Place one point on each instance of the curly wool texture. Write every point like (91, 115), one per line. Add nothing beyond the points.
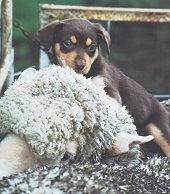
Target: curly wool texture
(51, 107)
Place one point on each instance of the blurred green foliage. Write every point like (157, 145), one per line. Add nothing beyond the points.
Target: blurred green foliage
(130, 3)
(141, 50)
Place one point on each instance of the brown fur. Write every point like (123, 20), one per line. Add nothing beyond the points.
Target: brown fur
(144, 108)
(149, 115)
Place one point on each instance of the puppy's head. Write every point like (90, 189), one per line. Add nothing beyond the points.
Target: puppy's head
(75, 42)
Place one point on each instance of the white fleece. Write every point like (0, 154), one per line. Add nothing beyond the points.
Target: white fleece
(55, 106)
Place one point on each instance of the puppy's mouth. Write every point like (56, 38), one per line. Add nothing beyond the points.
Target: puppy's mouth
(79, 70)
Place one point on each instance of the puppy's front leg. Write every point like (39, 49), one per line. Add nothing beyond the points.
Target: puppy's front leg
(15, 155)
(159, 138)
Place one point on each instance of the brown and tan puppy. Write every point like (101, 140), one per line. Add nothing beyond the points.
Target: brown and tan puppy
(75, 42)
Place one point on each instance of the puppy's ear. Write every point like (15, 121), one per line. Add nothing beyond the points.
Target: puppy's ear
(103, 36)
(46, 34)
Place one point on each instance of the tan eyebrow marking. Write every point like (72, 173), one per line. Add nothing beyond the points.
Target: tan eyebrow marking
(88, 42)
(73, 39)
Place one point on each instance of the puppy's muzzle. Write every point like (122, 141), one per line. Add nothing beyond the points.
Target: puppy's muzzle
(80, 64)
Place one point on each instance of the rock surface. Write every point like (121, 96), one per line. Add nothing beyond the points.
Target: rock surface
(115, 175)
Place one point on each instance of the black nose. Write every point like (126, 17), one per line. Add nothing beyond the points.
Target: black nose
(80, 64)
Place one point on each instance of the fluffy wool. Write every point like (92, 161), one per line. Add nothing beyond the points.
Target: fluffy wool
(54, 106)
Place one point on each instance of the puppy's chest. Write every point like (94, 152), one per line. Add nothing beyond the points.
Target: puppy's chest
(110, 87)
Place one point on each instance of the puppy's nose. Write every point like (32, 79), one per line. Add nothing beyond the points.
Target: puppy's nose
(80, 64)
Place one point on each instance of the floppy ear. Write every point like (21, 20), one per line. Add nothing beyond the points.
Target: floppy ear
(103, 36)
(46, 34)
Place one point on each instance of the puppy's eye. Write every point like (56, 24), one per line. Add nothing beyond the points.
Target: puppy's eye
(92, 47)
(67, 43)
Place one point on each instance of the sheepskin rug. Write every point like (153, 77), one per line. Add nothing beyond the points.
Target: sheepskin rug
(54, 106)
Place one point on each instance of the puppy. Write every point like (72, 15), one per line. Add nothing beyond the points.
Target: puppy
(75, 42)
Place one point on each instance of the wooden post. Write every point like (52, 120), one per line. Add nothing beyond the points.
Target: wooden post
(6, 40)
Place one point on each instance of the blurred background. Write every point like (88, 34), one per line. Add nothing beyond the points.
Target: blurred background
(141, 51)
